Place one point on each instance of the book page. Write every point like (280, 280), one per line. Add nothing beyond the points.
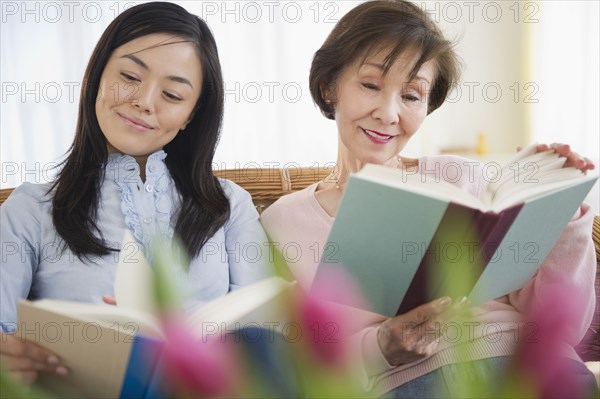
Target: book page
(523, 193)
(260, 299)
(106, 315)
(528, 176)
(522, 170)
(420, 184)
(96, 355)
(133, 278)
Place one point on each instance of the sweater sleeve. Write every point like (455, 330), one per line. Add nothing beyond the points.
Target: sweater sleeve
(571, 264)
(371, 361)
(245, 239)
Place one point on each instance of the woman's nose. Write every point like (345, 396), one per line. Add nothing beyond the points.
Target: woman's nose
(142, 99)
(388, 109)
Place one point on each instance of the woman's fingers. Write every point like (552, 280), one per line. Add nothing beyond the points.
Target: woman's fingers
(542, 147)
(435, 326)
(589, 163)
(24, 359)
(573, 158)
(426, 311)
(17, 347)
(110, 300)
(412, 335)
(21, 363)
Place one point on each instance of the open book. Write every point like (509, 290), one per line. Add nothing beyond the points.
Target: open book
(409, 238)
(113, 351)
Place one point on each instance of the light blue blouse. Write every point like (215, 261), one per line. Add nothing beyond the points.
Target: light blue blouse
(33, 266)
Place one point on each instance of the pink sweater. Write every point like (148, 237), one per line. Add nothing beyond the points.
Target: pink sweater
(299, 218)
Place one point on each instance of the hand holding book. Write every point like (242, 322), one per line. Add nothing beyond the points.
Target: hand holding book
(434, 239)
(116, 350)
(25, 359)
(412, 336)
(573, 159)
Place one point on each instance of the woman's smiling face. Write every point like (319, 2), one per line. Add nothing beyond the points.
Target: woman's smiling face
(376, 112)
(148, 91)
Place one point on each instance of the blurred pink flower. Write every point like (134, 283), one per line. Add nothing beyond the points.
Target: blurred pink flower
(327, 324)
(200, 367)
(541, 354)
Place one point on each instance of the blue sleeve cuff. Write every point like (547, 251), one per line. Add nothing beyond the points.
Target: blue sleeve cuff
(8, 328)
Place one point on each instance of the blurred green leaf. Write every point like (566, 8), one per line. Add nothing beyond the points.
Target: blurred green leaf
(170, 263)
(9, 388)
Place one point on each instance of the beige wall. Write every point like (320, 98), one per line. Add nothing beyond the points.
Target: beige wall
(492, 46)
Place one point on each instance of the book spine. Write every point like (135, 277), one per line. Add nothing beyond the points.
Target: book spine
(158, 387)
(143, 360)
(492, 235)
(459, 251)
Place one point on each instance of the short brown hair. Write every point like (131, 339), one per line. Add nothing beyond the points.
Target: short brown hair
(374, 26)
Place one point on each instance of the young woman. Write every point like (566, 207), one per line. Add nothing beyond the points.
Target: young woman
(382, 70)
(149, 120)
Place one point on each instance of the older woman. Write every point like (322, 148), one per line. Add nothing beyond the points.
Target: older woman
(382, 70)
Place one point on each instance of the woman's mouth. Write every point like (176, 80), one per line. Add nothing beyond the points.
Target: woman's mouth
(377, 137)
(135, 123)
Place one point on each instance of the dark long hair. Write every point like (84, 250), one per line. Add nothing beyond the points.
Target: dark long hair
(204, 205)
(374, 26)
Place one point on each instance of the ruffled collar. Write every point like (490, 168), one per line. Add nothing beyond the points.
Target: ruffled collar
(123, 167)
(147, 206)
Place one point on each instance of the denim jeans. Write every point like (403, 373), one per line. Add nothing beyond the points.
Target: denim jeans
(450, 381)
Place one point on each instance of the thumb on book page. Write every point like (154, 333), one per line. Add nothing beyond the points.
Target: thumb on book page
(423, 313)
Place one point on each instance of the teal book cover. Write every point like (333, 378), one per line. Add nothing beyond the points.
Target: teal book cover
(406, 246)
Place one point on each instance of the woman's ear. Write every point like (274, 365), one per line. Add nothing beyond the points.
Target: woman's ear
(327, 93)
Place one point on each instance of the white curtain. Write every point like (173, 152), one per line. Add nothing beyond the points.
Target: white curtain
(42, 63)
(265, 50)
(565, 50)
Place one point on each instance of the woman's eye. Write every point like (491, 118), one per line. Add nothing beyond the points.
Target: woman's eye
(370, 86)
(129, 77)
(411, 98)
(171, 96)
